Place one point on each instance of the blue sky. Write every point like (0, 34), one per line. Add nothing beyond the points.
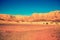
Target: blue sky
(27, 7)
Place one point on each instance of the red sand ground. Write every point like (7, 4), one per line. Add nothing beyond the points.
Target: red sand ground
(29, 32)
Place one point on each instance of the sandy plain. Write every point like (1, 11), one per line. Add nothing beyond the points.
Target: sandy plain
(29, 32)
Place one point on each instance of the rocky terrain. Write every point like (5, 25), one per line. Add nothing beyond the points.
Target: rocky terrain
(18, 27)
(35, 17)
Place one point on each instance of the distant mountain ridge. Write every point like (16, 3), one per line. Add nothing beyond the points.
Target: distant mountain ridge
(35, 17)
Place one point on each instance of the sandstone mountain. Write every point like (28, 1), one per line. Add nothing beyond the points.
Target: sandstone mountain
(35, 17)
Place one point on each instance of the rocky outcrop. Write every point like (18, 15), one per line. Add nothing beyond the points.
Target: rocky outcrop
(51, 16)
(35, 17)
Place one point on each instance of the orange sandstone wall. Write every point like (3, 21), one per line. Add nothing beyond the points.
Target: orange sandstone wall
(51, 16)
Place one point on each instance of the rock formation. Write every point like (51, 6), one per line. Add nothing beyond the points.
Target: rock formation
(35, 17)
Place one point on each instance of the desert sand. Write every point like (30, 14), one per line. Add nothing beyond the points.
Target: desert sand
(34, 27)
(29, 32)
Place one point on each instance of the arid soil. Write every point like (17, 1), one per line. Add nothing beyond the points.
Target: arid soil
(29, 32)
(38, 26)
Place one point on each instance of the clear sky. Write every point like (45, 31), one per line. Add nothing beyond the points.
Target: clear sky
(27, 7)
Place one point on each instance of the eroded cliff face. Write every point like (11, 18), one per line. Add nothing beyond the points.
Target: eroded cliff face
(35, 17)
